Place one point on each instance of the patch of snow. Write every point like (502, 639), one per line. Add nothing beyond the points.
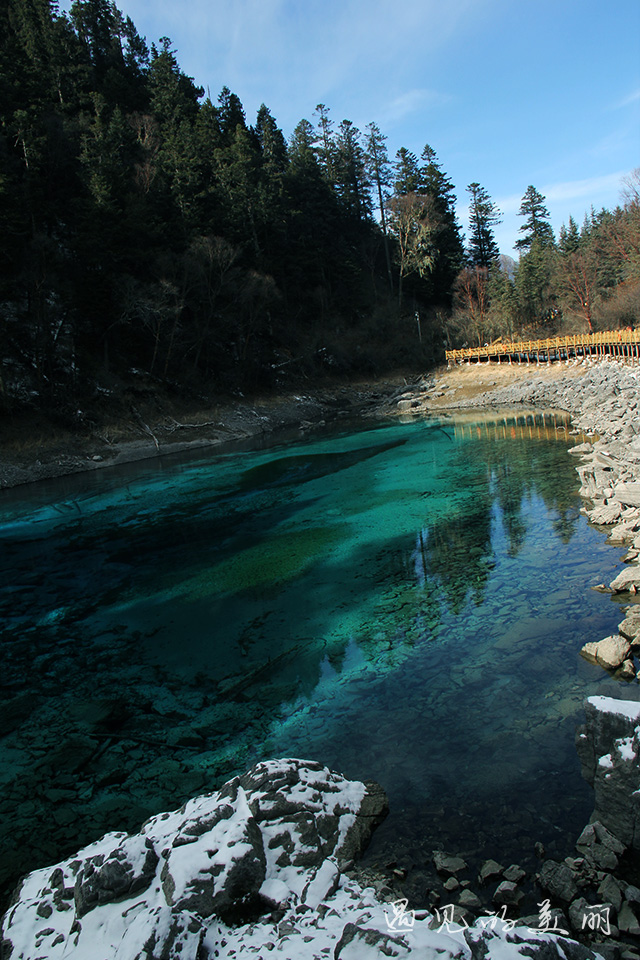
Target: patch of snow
(625, 747)
(624, 708)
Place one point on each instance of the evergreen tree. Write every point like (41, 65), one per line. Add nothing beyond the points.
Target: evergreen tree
(483, 216)
(326, 150)
(450, 256)
(380, 173)
(406, 173)
(536, 226)
(302, 150)
(569, 240)
(231, 114)
(352, 181)
(533, 284)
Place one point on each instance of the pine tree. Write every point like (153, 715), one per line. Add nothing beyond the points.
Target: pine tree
(569, 240)
(302, 150)
(325, 144)
(380, 173)
(406, 172)
(483, 216)
(450, 256)
(231, 114)
(352, 181)
(536, 226)
(533, 283)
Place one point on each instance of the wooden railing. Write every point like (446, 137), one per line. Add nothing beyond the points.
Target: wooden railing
(615, 343)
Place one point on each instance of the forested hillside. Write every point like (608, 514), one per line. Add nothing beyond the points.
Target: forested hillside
(147, 228)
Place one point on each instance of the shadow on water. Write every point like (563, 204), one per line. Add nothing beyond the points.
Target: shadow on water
(404, 603)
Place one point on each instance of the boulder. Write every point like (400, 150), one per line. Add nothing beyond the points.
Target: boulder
(581, 448)
(609, 653)
(627, 920)
(607, 513)
(127, 870)
(610, 892)
(507, 893)
(628, 581)
(468, 900)
(514, 873)
(628, 494)
(599, 847)
(368, 944)
(630, 628)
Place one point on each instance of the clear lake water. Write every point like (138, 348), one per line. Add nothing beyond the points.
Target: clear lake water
(403, 601)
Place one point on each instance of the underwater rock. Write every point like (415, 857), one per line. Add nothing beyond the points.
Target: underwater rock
(599, 847)
(507, 893)
(610, 892)
(627, 920)
(447, 864)
(489, 869)
(514, 873)
(558, 880)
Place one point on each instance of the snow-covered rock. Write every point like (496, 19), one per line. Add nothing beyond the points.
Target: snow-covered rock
(279, 832)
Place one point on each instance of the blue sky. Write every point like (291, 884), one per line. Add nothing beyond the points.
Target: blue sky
(507, 92)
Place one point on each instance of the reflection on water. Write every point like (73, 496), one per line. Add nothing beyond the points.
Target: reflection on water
(404, 602)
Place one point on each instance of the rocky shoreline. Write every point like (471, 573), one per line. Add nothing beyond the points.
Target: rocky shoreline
(123, 886)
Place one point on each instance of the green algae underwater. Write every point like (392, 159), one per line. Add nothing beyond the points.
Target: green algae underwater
(402, 601)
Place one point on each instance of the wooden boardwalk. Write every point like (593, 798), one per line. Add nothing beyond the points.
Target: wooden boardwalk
(624, 344)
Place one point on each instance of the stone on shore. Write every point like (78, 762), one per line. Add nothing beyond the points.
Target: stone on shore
(610, 653)
(628, 494)
(628, 581)
(605, 514)
(630, 628)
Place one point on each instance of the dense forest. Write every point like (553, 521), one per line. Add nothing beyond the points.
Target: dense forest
(147, 228)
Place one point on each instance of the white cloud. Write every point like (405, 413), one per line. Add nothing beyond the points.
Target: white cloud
(407, 103)
(633, 97)
(589, 188)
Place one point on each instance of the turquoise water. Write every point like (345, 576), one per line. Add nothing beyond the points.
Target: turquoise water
(404, 602)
